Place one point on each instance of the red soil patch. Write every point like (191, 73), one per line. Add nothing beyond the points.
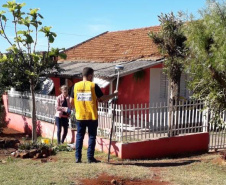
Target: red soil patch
(111, 180)
(8, 134)
(219, 160)
(11, 133)
(223, 154)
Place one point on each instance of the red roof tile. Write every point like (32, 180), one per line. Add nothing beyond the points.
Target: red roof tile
(117, 46)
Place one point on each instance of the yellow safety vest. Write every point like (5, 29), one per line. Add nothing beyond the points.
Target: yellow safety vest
(85, 101)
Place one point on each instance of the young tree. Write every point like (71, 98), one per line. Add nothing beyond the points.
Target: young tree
(22, 59)
(206, 64)
(171, 44)
(10, 76)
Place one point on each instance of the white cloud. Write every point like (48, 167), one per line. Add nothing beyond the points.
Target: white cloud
(97, 28)
(98, 25)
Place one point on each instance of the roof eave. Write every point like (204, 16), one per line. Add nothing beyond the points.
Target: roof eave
(135, 70)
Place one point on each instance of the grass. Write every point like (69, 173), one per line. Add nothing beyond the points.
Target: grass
(198, 173)
(63, 170)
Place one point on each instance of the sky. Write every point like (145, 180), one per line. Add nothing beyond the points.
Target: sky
(75, 21)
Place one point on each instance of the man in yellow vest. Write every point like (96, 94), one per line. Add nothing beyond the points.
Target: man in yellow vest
(84, 97)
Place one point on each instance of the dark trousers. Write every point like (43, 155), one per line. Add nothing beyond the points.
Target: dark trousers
(92, 131)
(61, 122)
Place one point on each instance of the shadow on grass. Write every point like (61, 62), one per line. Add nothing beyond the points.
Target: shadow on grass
(160, 164)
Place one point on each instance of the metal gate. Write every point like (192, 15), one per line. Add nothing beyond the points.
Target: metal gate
(217, 133)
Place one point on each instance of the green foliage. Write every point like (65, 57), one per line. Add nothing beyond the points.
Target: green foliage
(57, 52)
(22, 65)
(206, 64)
(62, 148)
(12, 74)
(50, 35)
(32, 145)
(170, 41)
(139, 75)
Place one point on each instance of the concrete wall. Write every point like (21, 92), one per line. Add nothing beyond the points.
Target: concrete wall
(166, 147)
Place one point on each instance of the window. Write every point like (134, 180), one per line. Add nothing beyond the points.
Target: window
(62, 81)
(164, 86)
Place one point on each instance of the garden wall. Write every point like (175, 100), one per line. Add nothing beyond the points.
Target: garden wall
(156, 148)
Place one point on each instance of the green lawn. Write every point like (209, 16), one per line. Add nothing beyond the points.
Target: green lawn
(210, 170)
(62, 169)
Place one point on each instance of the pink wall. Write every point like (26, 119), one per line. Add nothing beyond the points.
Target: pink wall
(106, 90)
(132, 92)
(166, 147)
(56, 82)
(135, 92)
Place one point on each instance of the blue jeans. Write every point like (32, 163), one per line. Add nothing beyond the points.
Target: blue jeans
(61, 122)
(92, 131)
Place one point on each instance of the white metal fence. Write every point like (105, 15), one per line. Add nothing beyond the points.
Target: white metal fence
(217, 131)
(146, 121)
(134, 122)
(20, 103)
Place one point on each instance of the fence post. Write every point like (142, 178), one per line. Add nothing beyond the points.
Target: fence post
(206, 119)
(121, 122)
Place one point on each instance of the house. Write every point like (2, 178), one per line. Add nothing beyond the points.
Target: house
(141, 81)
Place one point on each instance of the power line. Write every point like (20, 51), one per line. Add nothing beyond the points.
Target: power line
(75, 34)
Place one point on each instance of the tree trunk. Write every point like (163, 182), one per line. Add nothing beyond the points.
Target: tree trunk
(173, 99)
(33, 112)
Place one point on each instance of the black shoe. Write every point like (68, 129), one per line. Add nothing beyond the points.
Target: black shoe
(93, 160)
(78, 161)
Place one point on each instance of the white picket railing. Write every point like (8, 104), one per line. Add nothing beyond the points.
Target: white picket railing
(21, 103)
(217, 132)
(134, 122)
(146, 121)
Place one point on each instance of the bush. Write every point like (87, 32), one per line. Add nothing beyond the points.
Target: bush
(60, 148)
(30, 145)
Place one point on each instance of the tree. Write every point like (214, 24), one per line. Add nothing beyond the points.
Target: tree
(206, 64)
(21, 58)
(10, 76)
(171, 42)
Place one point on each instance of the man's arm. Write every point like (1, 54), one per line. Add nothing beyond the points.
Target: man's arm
(72, 97)
(101, 97)
(105, 98)
(72, 102)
